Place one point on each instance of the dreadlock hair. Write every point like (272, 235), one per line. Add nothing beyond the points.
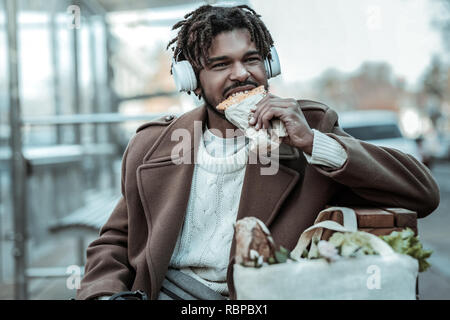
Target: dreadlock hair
(200, 26)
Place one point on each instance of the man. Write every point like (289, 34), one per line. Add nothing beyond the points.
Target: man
(179, 216)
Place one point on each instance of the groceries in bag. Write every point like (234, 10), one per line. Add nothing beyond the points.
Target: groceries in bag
(351, 265)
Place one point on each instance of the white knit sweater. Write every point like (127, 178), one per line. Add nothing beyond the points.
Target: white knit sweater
(203, 246)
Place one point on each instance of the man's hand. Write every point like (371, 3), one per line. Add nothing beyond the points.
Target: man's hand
(288, 111)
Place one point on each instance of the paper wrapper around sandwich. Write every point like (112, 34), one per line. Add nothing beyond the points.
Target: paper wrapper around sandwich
(266, 140)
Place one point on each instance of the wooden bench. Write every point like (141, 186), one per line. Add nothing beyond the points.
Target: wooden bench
(57, 179)
(379, 221)
(87, 220)
(83, 222)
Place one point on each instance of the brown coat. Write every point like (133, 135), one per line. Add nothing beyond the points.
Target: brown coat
(136, 244)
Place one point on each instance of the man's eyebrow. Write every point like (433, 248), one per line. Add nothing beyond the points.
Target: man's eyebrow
(220, 58)
(214, 59)
(250, 53)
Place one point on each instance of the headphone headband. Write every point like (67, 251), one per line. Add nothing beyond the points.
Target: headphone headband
(185, 79)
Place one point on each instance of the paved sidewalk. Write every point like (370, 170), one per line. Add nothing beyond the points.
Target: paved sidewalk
(434, 234)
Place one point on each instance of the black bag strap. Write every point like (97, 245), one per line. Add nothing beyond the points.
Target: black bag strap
(180, 286)
(129, 295)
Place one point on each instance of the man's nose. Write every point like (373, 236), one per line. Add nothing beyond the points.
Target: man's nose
(239, 72)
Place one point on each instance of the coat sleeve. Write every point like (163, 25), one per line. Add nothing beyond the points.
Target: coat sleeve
(382, 176)
(107, 270)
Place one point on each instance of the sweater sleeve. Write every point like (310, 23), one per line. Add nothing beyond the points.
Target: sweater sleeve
(326, 152)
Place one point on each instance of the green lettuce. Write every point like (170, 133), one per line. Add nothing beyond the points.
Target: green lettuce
(405, 242)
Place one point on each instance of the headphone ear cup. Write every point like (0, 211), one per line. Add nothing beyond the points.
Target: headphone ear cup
(184, 75)
(272, 66)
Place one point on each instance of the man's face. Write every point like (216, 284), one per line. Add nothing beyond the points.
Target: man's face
(234, 64)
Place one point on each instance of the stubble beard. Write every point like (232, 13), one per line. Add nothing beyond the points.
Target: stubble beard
(212, 108)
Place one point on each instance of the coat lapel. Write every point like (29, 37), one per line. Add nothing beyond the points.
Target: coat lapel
(263, 194)
(164, 182)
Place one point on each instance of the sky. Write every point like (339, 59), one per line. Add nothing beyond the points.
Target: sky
(312, 36)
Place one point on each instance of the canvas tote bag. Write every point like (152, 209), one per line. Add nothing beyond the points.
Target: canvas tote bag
(388, 275)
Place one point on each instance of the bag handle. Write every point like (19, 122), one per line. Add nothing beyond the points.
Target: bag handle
(349, 225)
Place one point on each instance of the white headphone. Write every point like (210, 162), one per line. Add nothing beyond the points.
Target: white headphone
(185, 78)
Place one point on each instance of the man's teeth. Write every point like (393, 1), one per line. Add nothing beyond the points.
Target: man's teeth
(238, 93)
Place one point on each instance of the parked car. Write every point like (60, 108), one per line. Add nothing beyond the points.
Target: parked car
(435, 146)
(378, 127)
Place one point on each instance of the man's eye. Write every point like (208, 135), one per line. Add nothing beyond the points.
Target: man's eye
(253, 59)
(219, 65)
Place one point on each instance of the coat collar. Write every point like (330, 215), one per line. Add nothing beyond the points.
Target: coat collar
(165, 178)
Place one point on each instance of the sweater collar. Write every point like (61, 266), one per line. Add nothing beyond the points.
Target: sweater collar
(222, 147)
(226, 164)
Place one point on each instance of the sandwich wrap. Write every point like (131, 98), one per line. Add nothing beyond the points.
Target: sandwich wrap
(238, 112)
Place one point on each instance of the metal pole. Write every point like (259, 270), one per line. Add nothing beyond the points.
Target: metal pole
(94, 99)
(76, 84)
(18, 172)
(93, 61)
(109, 42)
(113, 101)
(55, 72)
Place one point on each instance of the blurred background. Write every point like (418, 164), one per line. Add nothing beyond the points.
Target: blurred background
(78, 77)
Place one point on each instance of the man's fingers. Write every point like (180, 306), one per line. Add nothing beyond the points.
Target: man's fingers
(264, 118)
(269, 113)
(261, 118)
(257, 108)
(266, 102)
(261, 110)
